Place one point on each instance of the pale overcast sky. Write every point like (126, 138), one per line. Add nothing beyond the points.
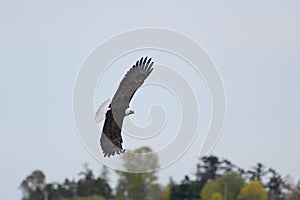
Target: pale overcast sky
(255, 45)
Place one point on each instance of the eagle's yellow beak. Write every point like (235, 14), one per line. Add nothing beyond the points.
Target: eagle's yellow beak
(131, 111)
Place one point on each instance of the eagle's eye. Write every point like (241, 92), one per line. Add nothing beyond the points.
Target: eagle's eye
(131, 111)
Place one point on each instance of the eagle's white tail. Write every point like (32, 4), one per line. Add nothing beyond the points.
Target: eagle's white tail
(100, 114)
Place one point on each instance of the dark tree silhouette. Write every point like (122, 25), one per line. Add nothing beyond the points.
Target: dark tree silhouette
(257, 173)
(207, 169)
(274, 185)
(33, 186)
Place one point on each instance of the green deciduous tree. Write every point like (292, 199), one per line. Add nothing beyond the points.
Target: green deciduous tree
(231, 184)
(138, 185)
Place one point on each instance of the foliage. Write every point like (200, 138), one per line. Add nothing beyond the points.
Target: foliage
(187, 189)
(253, 191)
(88, 186)
(215, 179)
(138, 185)
(293, 190)
(207, 169)
(274, 185)
(165, 193)
(258, 172)
(216, 196)
(228, 185)
(90, 198)
(210, 189)
(231, 185)
(33, 185)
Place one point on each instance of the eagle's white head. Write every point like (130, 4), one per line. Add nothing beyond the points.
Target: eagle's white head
(129, 111)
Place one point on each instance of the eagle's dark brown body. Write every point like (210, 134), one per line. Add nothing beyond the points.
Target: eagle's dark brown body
(111, 138)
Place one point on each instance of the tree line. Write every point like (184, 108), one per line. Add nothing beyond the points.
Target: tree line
(213, 179)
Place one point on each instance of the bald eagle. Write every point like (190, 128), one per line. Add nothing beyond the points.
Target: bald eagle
(111, 138)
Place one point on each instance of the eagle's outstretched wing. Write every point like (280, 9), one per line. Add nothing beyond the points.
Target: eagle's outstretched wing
(111, 139)
(100, 114)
